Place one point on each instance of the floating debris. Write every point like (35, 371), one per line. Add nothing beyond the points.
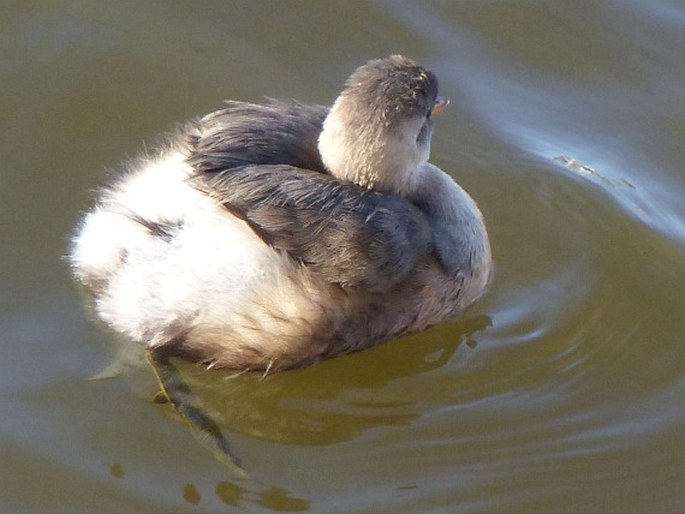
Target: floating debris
(588, 172)
(582, 169)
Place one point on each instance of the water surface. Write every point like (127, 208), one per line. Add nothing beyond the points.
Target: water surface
(561, 391)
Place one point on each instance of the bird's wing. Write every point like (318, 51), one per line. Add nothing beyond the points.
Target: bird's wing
(349, 235)
(280, 132)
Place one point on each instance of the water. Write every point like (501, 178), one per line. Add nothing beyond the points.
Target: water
(561, 391)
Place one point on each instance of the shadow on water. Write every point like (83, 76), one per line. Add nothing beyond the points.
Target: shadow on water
(318, 405)
(234, 494)
(314, 406)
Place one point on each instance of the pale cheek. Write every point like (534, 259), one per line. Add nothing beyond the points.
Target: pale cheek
(331, 145)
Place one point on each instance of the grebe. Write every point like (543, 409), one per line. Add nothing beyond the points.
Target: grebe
(270, 237)
(267, 237)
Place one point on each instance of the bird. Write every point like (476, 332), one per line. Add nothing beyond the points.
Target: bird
(264, 237)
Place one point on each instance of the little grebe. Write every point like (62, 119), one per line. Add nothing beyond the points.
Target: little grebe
(266, 237)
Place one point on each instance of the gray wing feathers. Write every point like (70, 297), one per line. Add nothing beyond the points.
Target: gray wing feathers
(261, 163)
(281, 132)
(348, 235)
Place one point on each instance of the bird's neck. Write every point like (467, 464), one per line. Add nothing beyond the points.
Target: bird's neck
(461, 240)
(366, 154)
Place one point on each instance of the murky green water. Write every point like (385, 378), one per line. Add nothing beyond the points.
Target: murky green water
(561, 391)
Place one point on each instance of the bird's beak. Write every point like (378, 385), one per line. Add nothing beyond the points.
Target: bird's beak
(439, 105)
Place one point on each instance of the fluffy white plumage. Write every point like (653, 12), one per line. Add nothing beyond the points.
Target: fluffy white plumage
(175, 268)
